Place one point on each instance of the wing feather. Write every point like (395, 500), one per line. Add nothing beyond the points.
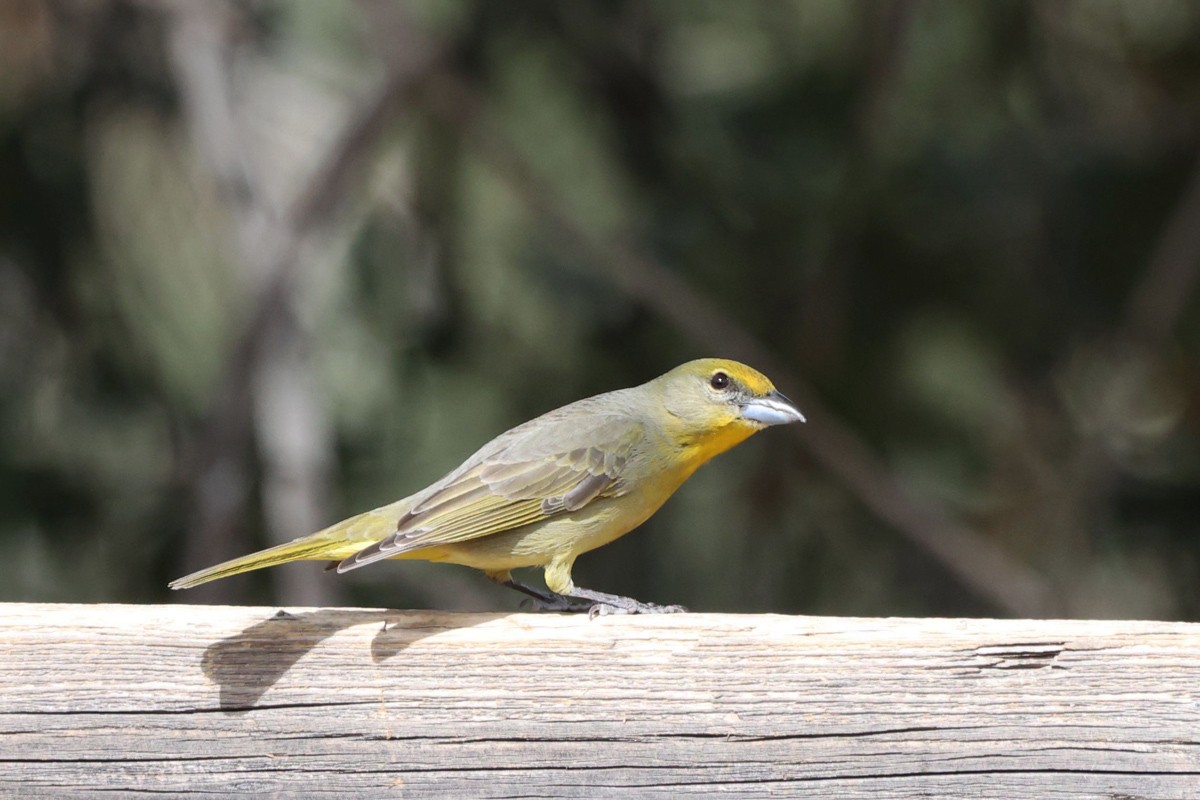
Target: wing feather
(524, 476)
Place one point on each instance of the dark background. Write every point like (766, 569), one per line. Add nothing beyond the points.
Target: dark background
(267, 264)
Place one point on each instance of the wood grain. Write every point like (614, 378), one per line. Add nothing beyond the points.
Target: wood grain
(131, 700)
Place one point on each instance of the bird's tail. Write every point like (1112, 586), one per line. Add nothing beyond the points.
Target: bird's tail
(336, 542)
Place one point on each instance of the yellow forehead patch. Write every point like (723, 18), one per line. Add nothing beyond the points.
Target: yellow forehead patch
(749, 377)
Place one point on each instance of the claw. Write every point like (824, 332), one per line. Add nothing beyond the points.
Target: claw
(605, 610)
(651, 608)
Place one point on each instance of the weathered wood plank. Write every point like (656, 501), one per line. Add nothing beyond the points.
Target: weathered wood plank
(128, 700)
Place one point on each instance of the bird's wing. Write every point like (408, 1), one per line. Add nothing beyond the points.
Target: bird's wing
(530, 474)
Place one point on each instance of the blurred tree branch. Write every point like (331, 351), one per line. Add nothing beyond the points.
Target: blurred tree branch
(268, 374)
(275, 389)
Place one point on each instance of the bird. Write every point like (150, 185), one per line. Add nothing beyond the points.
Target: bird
(553, 488)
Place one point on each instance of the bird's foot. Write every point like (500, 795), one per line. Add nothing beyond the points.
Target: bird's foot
(595, 604)
(604, 609)
(545, 600)
(558, 603)
(576, 605)
(603, 604)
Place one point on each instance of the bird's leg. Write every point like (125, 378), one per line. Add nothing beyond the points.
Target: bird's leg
(550, 601)
(596, 604)
(573, 599)
(603, 603)
(558, 578)
(541, 600)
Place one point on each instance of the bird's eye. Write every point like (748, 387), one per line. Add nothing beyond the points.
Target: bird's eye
(719, 380)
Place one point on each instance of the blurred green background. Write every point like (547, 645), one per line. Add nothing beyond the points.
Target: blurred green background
(267, 264)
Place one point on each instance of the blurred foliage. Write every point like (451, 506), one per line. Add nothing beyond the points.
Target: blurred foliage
(972, 227)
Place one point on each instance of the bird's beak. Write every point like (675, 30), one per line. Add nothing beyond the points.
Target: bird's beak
(773, 409)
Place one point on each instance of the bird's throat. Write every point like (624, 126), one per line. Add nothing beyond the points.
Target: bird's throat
(712, 444)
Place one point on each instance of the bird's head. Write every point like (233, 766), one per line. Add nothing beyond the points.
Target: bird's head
(713, 404)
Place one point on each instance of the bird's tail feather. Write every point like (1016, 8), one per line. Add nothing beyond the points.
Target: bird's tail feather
(334, 543)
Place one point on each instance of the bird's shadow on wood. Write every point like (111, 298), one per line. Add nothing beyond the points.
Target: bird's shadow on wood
(249, 663)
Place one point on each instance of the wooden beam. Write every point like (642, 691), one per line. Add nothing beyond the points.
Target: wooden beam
(132, 700)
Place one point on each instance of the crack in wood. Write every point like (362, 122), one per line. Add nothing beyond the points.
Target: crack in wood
(1019, 656)
(167, 712)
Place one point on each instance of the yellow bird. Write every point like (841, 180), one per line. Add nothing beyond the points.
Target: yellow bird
(557, 486)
